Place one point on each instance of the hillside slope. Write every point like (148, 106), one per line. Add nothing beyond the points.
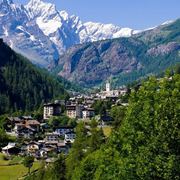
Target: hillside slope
(22, 85)
(122, 59)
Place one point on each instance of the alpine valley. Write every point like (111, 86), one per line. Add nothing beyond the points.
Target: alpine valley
(88, 101)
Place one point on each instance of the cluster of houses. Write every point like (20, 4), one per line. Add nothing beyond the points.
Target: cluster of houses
(73, 108)
(38, 140)
(29, 130)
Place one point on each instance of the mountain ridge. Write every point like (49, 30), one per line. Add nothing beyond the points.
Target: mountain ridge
(24, 87)
(123, 59)
(41, 32)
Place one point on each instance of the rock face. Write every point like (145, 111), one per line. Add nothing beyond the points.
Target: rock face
(93, 63)
(42, 33)
(163, 49)
(123, 59)
(24, 35)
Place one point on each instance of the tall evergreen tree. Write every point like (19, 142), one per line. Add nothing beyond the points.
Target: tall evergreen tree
(78, 151)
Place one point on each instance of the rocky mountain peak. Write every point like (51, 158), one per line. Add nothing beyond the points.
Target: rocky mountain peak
(40, 8)
(41, 32)
(64, 15)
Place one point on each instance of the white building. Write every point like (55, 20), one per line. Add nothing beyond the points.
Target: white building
(108, 93)
(74, 111)
(63, 130)
(70, 137)
(51, 109)
(88, 113)
(52, 137)
(108, 87)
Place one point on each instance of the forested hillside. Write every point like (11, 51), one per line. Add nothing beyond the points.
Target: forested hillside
(22, 85)
(146, 144)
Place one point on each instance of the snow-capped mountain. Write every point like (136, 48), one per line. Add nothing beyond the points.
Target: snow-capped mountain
(24, 35)
(42, 33)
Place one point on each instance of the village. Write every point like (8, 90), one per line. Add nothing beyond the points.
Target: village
(36, 138)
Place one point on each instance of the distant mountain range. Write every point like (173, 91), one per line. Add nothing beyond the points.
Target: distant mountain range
(41, 32)
(124, 60)
(87, 53)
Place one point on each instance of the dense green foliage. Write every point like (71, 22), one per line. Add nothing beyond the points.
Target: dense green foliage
(118, 114)
(4, 138)
(58, 121)
(85, 143)
(100, 106)
(146, 145)
(28, 162)
(78, 150)
(22, 85)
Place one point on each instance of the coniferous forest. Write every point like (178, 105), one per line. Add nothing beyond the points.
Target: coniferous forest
(22, 85)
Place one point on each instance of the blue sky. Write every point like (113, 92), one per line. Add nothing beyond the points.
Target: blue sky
(136, 14)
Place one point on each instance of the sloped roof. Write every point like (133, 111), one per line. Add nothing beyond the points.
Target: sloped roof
(9, 146)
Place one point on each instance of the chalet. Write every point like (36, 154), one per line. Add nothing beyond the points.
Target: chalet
(11, 121)
(27, 128)
(26, 118)
(26, 132)
(74, 111)
(63, 130)
(88, 113)
(70, 137)
(11, 149)
(33, 147)
(34, 124)
(52, 137)
(51, 109)
(62, 147)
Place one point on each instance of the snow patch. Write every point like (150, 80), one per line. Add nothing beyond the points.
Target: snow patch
(5, 32)
(32, 38)
(48, 27)
(167, 22)
(64, 15)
